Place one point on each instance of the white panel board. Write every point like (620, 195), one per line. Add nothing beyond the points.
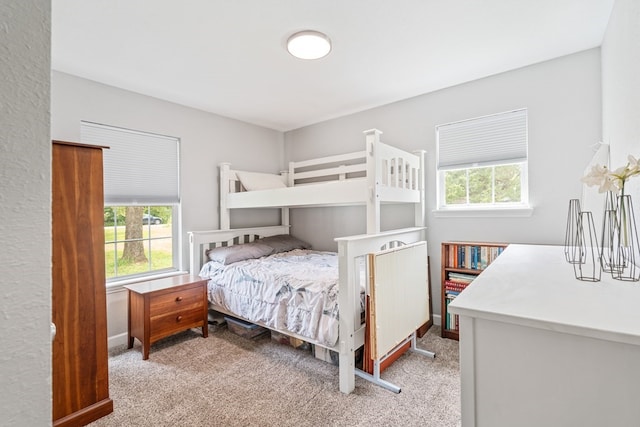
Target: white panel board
(399, 295)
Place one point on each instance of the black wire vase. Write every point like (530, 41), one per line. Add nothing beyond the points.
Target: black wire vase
(571, 248)
(625, 246)
(581, 243)
(587, 265)
(608, 229)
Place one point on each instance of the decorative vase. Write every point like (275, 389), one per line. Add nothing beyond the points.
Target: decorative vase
(608, 227)
(571, 248)
(587, 264)
(625, 247)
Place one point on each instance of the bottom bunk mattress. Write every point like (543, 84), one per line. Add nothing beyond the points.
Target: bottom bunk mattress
(295, 291)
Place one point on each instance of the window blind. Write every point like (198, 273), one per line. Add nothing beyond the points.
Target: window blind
(484, 141)
(139, 168)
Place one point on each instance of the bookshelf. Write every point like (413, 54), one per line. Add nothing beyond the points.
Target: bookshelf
(461, 263)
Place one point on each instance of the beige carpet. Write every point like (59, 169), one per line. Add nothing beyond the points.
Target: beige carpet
(226, 380)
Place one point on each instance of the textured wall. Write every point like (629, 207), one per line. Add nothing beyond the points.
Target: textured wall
(25, 213)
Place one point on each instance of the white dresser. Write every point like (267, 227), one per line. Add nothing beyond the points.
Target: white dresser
(541, 348)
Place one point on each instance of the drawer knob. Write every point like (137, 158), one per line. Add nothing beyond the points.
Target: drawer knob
(178, 299)
(179, 318)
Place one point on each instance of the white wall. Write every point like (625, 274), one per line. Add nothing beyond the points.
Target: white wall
(563, 97)
(564, 101)
(25, 355)
(205, 140)
(25, 213)
(621, 88)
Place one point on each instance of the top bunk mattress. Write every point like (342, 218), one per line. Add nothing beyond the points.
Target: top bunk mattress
(295, 291)
(348, 192)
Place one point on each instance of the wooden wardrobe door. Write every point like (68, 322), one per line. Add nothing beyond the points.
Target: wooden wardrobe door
(80, 358)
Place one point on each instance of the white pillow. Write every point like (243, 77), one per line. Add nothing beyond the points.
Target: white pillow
(260, 181)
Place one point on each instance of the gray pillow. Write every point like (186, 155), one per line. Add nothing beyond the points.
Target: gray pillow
(229, 254)
(284, 243)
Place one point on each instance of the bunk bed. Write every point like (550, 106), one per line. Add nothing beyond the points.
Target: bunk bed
(391, 266)
(380, 174)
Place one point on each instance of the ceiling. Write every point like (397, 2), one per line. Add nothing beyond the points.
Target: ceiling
(229, 58)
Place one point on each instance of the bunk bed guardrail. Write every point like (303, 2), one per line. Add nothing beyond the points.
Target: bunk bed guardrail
(379, 174)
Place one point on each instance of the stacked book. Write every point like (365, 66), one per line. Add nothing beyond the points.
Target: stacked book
(452, 287)
(473, 257)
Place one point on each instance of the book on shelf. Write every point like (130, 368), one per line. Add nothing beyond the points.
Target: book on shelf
(461, 277)
(461, 264)
(450, 287)
(472, 257)
(451, 321)
(452, 290)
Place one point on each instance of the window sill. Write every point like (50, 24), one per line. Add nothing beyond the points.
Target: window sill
(484, 213)
(117, 286)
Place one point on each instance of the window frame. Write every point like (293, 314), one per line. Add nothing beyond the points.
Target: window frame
(176, 245)
(93, 133)
(521, 208)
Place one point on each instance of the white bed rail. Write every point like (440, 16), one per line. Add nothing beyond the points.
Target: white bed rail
(201, 241)
(393, 176)
(350, 251)
(379, 174)
(331, 168)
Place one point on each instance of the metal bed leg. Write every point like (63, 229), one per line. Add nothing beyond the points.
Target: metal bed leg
(375, 378)
(415, 348)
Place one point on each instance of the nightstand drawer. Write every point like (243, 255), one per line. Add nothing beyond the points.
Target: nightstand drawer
(183, 299)
(162, 307)
(169, 323)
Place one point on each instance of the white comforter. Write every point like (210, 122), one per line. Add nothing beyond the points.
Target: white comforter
(296, 291)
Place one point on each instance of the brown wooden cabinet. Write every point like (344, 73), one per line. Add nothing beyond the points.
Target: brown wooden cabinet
(80, 355)
(162, 307)
(461, 263)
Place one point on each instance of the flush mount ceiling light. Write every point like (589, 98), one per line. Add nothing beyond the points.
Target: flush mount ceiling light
(309, 45)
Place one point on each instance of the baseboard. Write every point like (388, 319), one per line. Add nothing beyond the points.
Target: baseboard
(117, 340)
(86, 415)
(437, 319)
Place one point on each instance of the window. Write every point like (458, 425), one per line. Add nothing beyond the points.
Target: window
(482, 162)
(138, 240)
(142, 201)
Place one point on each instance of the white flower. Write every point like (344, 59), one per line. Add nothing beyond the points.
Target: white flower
(595, 176)
(609, 183)
(633, 166)
(599, 176)
(612, 181)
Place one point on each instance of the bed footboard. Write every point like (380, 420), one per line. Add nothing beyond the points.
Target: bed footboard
(350, 249)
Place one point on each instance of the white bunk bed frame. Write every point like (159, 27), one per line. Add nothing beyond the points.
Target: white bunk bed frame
(378, 175)
(407, 242)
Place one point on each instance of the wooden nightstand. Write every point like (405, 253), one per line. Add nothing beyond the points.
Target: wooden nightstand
(162, 307)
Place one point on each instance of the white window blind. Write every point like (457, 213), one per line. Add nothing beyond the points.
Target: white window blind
(139, 168)
(483, 141)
